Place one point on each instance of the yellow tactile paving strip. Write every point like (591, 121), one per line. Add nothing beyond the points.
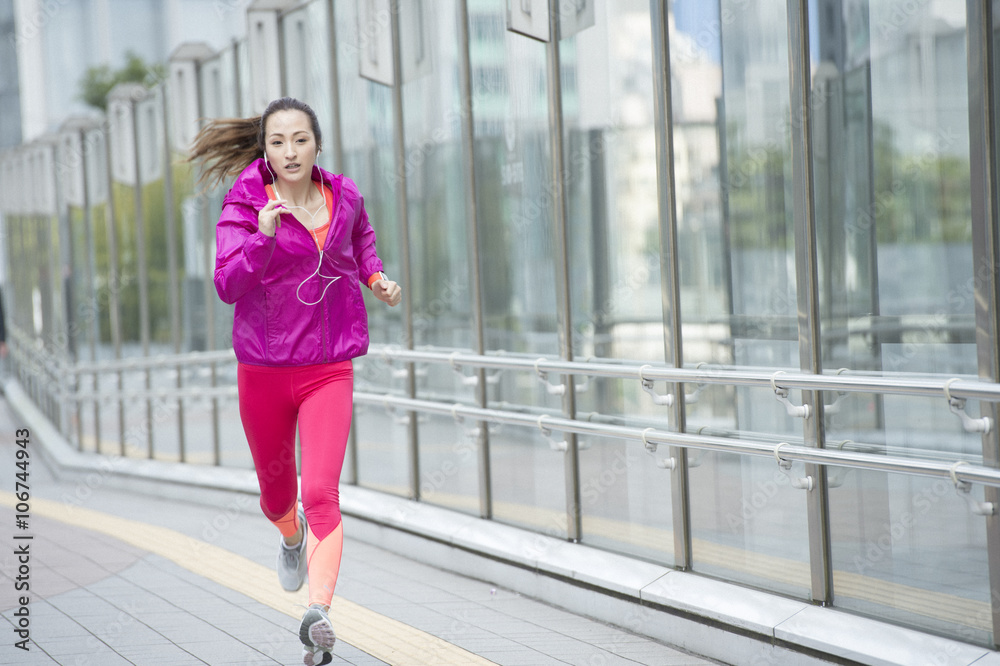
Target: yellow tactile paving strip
(382, 637)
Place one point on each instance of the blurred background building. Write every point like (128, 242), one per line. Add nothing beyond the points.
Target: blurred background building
(10, 106)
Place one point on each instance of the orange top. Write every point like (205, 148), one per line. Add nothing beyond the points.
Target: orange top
(320, 232)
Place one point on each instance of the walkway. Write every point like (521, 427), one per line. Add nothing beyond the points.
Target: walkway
(119, 577)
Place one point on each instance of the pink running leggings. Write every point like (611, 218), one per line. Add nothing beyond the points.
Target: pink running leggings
(319, 398)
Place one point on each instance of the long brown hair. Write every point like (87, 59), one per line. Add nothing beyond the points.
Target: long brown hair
(225, 146)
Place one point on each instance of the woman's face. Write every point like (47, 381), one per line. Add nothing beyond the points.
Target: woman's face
(290, 146)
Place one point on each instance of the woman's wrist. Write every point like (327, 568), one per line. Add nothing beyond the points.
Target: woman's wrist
(375, 277)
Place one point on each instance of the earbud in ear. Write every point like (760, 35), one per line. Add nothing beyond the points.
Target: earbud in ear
(265, 158)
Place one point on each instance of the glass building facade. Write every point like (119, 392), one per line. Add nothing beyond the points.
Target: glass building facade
(711, 284)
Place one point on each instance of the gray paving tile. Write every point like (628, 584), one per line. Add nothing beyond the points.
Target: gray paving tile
(33, 657)
(127, 634)
(213, 651)
(63, 647)
(98, 657)
(520, 658)
(165, 654)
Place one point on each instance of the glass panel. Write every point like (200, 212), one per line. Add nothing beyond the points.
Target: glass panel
(439, 289)
(892, 189)
(625, 497)
(368, 135)
(513, 173)
(908, 549)
(611, 185)
(528, 472)
(513, 176)
(729, 70)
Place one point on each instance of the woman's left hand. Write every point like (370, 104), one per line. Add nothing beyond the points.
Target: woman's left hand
(387, 291)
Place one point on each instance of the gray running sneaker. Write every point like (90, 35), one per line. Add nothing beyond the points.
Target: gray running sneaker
(316, 634)
(292, 560)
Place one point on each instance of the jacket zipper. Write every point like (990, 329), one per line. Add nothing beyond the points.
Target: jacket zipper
(333, 220)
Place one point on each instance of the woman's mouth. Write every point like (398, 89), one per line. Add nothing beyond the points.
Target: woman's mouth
(292, 166)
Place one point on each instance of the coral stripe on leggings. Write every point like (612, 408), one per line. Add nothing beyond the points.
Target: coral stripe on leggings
(318, 398)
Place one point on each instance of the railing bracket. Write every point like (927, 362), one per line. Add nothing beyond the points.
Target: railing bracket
(471, 380)
(964, 490)
(648, 386)
(558, 389)
(957, 407)
(799, 411)
(663, 463)
(834, 407)
(802, 483)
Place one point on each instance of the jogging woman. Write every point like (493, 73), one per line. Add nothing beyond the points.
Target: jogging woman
(293, 247)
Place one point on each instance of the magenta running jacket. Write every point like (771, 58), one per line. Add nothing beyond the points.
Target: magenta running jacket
(260, 274)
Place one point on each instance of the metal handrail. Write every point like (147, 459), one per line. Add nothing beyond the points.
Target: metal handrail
(171, 393)
(651, 437)
(965, 387)
(958, 471)
(151, 362)
(928, 386)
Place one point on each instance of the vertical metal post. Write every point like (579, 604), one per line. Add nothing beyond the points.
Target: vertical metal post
(404, 239)
(475, 260)
(67, 275)
(236, 79)
(336, 128)
(669, 268)
(208, 287)
(53, 337)
(90, 270)
(807, 290)
(563, 297)
(142, 268)
(208, 229)
(985, 254)
(114, 283)
(173, 275)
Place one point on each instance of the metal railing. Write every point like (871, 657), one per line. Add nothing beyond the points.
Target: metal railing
(955, 390)
(959, 471)
(902, 384)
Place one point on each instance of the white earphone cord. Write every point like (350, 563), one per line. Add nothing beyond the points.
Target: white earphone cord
(312, 222)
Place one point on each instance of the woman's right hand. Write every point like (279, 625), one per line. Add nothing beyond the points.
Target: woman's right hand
(269, 217)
